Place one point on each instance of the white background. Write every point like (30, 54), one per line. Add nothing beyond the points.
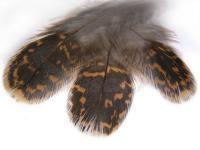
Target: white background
(152, 123)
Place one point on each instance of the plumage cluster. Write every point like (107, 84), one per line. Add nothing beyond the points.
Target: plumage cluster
(103, 46)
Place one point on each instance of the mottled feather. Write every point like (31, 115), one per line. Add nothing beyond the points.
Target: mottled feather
(106, 45)
(101, 97)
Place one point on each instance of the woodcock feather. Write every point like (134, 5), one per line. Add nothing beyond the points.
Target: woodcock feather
(105, 47)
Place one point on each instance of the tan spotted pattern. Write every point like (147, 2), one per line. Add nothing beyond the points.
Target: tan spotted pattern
(103, 90)
(41, 68)
(100, 98)
(169, 73)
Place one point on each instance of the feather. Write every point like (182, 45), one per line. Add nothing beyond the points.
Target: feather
(105, 45)
(41, 68)
(101, 97)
